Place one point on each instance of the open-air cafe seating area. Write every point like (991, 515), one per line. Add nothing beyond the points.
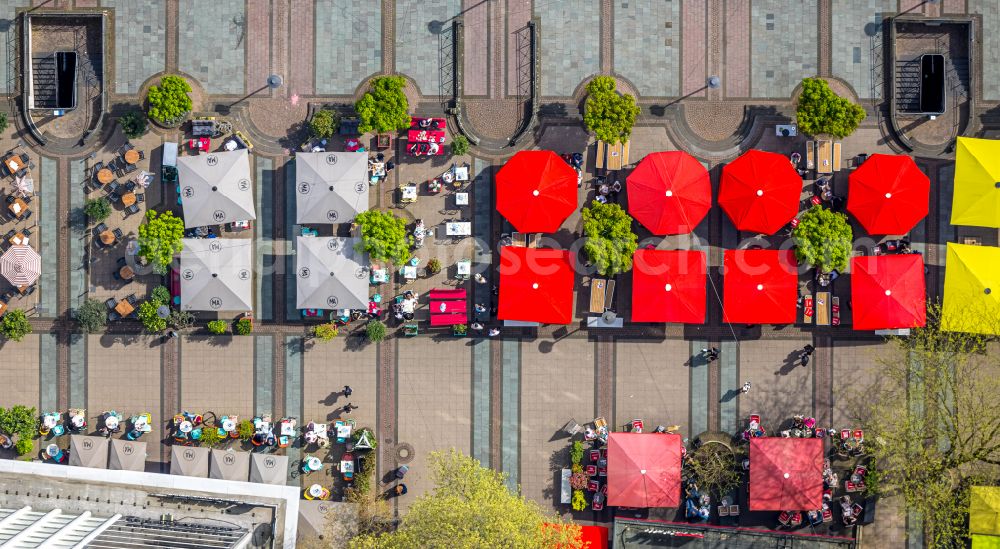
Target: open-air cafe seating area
(20, 263)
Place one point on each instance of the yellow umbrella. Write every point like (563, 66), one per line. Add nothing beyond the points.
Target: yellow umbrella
(971, 289)
(985, 542)
(984, 510)
(976, 199)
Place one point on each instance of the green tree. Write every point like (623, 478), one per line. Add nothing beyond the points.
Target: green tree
(160, 239)
(161, 293)
(147, 314)
(92, 316)
(930, 430)
(607, 113)
(245, 430)
(14, 325)
(823, 239)
(97, 209)
(459, 145)
(383, 236)
(384, 107)
(218, 327)
(471, 507)
(325, 332)
(375, 330)
(3, 121)
(169, 102)
(610, 241)
(820, 111)
(713, 466)
(324, 123)
(244, 326)
(133, 124)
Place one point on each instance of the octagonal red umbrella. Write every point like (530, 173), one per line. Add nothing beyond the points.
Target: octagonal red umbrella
(888, 194)
(536, 191)
(536, 285)
(888, 292)
(759, 286)
(668, 286)
(644, 469)
(669, 192)
(760, 191)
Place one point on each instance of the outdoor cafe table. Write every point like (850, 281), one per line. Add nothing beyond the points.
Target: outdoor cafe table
(124, 308)
(17, 239)
(107, 237)
(126, 273)
(458, 228)
(597, 287)
(461, 199)
(13, 163)
(455, 306)
(105, 176)
(18, 207)
(132, 156)
(128, 199)
(425, 136)
(822, 308)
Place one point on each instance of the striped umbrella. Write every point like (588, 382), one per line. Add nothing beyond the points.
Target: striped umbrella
(21, 265)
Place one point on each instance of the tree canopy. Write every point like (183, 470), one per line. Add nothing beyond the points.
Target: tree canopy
(169, 101)
(823, 239)
(92, 316)
(471, 507)
(384, 107)
(324, 123)
(933, 436)
(459, 145)
(820, 111)
(97, 209)
(147, 313)
(610, 241)
(14, 325)
(160, 239)
(607, 113)
(133, 124)
(383, 236)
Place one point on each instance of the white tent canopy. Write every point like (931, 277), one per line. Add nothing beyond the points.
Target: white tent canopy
(216, 274)
(330, 273)
(269, 469)
(229, 465)
(85, 451)
(127, 455)
(330, 187)
(215, 188)
(190, 461)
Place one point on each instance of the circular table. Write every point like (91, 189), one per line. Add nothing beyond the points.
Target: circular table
(128, 199)
(126, 273)
(111, 422)
(107, 237)
(132, 156)
(185, 427)
(49, 421)
(52, 450)
(314, 464)
(228, 425)
(105, 176)
(316, 491)
(78, 421)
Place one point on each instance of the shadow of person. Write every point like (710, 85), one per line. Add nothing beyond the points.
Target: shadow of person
(730, 395)
(791, 362)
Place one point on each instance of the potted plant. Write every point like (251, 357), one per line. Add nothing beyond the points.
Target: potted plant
(578, 480)
(579, 500)
(244, 326)
(169, 103)
(433, 267)
(245, 430)
(218, 327)
(459, 330)
(375, 330)
(576, 453)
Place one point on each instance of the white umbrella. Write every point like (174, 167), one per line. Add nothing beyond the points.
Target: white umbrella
(21, 265)
(330, 273)
(216, 274)
(330, 187)
(24, 186)
(216, 188)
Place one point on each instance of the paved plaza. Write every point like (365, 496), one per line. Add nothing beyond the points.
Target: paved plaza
(503, 400)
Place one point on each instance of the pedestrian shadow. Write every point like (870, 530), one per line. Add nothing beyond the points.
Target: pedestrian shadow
(331, 398)
(697, 361)
(730, 395)
(791, 362)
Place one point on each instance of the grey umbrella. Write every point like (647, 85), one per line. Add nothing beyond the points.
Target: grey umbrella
(330, 273)
(330, 187)
(215, 188)
(229, 465)
(269, 469)
(87, 451)
(216, 274)
(190, 461)
(127, 455)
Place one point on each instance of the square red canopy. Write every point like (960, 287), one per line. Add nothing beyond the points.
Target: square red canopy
(786, 474)
(644, 469)
(888, 291)
(668, 286)
(759, 286)
(536, 285)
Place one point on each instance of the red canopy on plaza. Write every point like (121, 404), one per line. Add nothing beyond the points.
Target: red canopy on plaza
(760, 191)
(644, 469)
(759, 286)
(888, 194)
(786, 474)
(536, 191)
(888, 291)
(536, 285)
(668, 286)
(669, 192)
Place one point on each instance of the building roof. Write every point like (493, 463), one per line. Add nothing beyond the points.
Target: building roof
(330, 187)
(215, 188)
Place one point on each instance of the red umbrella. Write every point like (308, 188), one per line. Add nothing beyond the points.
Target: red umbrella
(760, 191)
(759, 286)
(669, 192)
(536, 191)
(786, 474)
(887, 291)
(888, 194)
(668, 286)
(644, 469)
(536, 285)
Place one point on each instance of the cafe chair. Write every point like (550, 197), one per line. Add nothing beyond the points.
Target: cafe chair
(118, 233)
(140, 197)
(131, 300)
(110, 303)
(26, 231)
(121, 262)
(10, 199)
(130, 186)
(133, 209)
(113, 316)
(27, 214)
(112, 188)
(9, 234)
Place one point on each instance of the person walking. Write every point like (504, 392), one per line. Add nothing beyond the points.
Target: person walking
(805, 359)
(711, 354)
(348, 391)
(746, 388)
(493, 332)
(348, 407)
(808, 349)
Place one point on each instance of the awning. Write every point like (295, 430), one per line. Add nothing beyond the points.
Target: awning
(760, 191)
(216, 274)
(888, 194)
(536, 285)
(330, 273)
(330, 187)
(215, 188)
(971, 289)
(759, 286)
(888, 292)
(644, 469)
(127, 455)
(229, 465)
(976, 199)
(669, 192)
(984, 510)
(786, 474)
(85, 451)
(21, 265)
(190, 461)
(536, 191)
(269, 469)
(668, 286)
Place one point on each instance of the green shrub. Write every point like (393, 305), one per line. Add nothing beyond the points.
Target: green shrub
(24, 446)
(147, 313)
(133, 124)
(218, 327)
(820, 111)
(576, 453)
(161, 294)
(610, 242)
(384, 107)
(459, 145)
(180, 319)
(14, 325)
(245, 429)
(92, 316)
(383, 236)
(244, 326)
(169, 102)
(324, 123)
(607, 113)
(433, 266)
(210, 437)
(160, 239)
(375, 330)
(325, 332)
(823, 239)
(3, 121)
(97, 209)
(579, 500)
(18, 420)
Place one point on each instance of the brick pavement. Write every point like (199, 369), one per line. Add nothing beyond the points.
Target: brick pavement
(519, 13)
(301, 27)
(652, 382)
(216, 375)
(694, 56)
(123, 374)
(258, 43)
(280, 40)
(476, 47)
(736, 73)
(781, 387)
(990, 49)
(21, 385)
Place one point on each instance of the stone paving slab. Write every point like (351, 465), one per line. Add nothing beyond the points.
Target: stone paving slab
(780, 387)
(7, 10)
(647, 40)
(855, 363)
(264, 257)
(783, 46)
(570, 45)
(693, 33)
(21, 384)
(217, 375)
(348, 44)
(856, 24)
(475, 45)
(736, 73)
(45, 206)
(327, 367)
(653, 383)
(990, 49)
(211, 44)
(123, 374)
(417, 47)
(140, 42)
